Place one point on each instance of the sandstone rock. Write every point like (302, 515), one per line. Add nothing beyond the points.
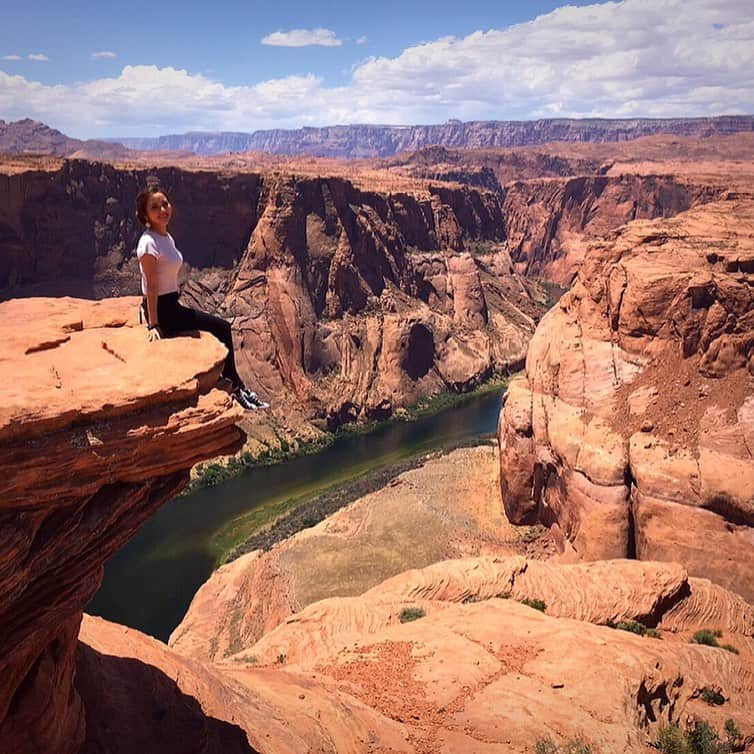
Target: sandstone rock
(98, 428)
(374, 140)
(476, 666)
(550, 223)
(450, 507)
(345, 674)
(632, 345)
(346, 303)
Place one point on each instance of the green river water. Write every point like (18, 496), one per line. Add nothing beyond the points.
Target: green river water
(149, 584)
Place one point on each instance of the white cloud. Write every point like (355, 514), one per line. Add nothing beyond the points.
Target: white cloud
(40, 56)
(620, 59)
(104, 54)
(302, 38)
(361, 41)
(12, 57)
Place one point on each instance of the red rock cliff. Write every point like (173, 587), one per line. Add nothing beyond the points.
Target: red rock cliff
(349, 303)
(98, 428)
(633, 428)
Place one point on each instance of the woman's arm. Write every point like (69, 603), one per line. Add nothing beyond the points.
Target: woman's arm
(149, 267)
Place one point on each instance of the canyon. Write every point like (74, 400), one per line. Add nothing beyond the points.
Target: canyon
(438, 613)
(355, 141)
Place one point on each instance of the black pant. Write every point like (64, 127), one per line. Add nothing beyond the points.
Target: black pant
(175, 319)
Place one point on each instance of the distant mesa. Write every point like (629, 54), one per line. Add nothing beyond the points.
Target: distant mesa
(369, 141)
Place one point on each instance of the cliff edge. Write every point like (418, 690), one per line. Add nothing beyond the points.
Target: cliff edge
(632, 430)
(98, 428)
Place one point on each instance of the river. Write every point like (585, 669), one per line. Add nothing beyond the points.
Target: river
(149, 584)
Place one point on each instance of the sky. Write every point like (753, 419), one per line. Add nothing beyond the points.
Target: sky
(167, 67)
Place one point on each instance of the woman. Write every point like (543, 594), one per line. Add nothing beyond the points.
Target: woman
(160, 261)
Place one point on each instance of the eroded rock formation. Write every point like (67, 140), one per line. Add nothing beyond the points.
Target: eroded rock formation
(381, 141)
(550, 223)
(98, 428)
(477, 670)
(633, 428)
(347, 303)
(90, 452)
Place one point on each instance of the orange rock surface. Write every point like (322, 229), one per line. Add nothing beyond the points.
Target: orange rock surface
(633, 427)
(477, 671)
(98, 428)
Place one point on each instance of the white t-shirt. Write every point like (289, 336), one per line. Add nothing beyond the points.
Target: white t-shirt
(169, 261)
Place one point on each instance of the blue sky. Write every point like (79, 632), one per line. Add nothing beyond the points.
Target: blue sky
(92, 70)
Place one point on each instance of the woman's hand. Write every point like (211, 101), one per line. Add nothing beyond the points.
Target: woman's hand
(154, 333)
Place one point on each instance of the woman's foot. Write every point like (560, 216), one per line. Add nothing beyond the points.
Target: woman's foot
(249, 400)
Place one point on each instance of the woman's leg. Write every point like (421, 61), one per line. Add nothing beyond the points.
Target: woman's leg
(175, 318)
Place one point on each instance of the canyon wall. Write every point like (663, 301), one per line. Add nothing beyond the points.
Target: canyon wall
(549, 223)
(87, 455)
(348, 302)
(383, 141)
(632, 430)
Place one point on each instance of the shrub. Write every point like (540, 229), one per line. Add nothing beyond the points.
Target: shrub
(574, 746)
(707, 637)
(730, 648)
(672, 740)
(703, 739)
(281, 658)
(532, 533)
(735, 739)
(632, 626)
(410, 613)
(653, 633)
(699, 738)
(711, 696)
(535, 603)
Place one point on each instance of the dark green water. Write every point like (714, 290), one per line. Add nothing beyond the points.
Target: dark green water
(149, 584)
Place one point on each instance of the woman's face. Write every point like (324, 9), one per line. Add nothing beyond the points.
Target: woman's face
(159, 211)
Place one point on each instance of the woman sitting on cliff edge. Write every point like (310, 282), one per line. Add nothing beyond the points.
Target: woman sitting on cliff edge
(160, 262)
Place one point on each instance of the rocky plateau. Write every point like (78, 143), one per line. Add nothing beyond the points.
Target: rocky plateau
(475, 604)
(354, 141)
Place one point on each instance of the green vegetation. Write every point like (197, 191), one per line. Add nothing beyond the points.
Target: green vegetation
(711, 696)
(574, 746)
(536, 604)
(531, 534)
(632, 626)
(410, 613)
(482, 248)
(307, 508)
(248, 659)
(212, 474)
(709, 638)
(699, 738)
(435, 404)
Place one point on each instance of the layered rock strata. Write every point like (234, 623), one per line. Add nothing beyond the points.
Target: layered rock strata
(382, 141)
(633, 428)
(98, 428)
(447, 508)
(358, 308)
(477, 670)
(549, 237)
(346, 303)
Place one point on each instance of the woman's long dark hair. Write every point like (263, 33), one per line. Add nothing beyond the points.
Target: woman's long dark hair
(142, 199)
